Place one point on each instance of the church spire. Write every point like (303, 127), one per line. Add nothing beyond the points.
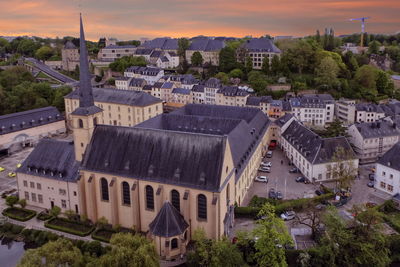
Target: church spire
(85, 86)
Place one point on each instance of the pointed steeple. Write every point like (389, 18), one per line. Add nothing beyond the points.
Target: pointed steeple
(85, 86)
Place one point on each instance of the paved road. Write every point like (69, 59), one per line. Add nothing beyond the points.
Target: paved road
(49, 71)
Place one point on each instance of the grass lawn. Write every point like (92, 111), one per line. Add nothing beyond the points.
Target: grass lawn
(71, 227)
(19, 214)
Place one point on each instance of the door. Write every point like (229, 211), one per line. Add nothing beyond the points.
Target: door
(52, 204)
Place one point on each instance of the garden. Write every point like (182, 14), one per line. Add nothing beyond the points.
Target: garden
(70, 226)
(19, 214)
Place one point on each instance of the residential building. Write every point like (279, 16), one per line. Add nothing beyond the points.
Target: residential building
(257, 49)
(368, 112)
(137, 84)
(144, 52)
(112, 52)
(371, 140)
(165, 44)
(261, 102)
(387, 173)
(69, 56)
(231, 96)
(149, 74)
(166, 91)
(317, 158)
(211, 88)
(26, 128)
(208, 48)
(198, 94)
(181, 96)
(169, 60)
(345, 110)
(122, 83)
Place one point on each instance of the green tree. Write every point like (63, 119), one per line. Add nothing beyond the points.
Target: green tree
(183, 45)
(44, 53)
(223, 77)
(197, 59)
(129, 250)
(384, 84)
(11, 201)
(248, 65)
(227, 59)
(22, 203)
(55, 253)
(258, 81)
(365, 81)
(335, 129)
(58, 99)
(101, 222)
(327, 72)
(121, 64)
(236, 73)
(27, 47)
(55, 211)
(266, 66)
(373, 47)
(275, 65)
(272, 238)
(342, 168)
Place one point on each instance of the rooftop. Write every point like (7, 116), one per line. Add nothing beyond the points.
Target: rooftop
(378, 129)
(206, 45)
(260, 45)
(391, 158)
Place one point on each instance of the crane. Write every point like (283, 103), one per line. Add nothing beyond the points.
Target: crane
(362, 28)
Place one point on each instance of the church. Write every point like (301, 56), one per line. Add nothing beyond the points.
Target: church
(166, 176)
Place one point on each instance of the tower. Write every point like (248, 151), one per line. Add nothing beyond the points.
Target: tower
(86, 116)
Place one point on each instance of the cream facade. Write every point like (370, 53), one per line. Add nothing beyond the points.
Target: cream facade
(387, 174)
(112, 52)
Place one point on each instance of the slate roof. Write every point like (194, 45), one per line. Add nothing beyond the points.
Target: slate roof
(379, 128)
(54, 159)
(257, 100)
(284, 119)
(260, 45)
(391, 158)
(156, 53)
(148, 71)
(213, 83)
(28, 119)
(143, 51)
(182, 91)
(232, 91)
(167, 85)
(69, 45)
(119, 46)
(147, 87)
(164, 59)
(162, 43)
(314, 100)
(125, 97)
(369, 107)
(206, 45)
(168, 222)
(199, 88)
(137, 82)
(315, 149)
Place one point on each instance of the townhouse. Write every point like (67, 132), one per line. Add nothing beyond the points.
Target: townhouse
(257, 49)
(149, 74)
(208, 48)
(387, 174)
(112, 52)
(231, 96)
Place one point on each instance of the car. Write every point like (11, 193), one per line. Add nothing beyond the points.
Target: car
(266, 164)
(371, 184)
(300, 179)
(371, 176)
(269, 154)
(264, 169)
(12, 174)
(279, 195)
(294, 170)
(288, 215)
(272, 193)
(19, 165)
(319, 192)
(263, 179)
(2, 169)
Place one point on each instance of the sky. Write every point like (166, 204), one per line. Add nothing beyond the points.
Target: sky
(134, 19)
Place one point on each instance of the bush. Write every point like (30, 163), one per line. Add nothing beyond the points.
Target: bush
(44, 216)
(388, 206)
(103, 235)
(19, 214)
(392, 222)
(257, 201)
(246, 212)
(67, 226)
(16, 229)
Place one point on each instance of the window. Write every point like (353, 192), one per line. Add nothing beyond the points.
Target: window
(32, 184)
(383, 173)
(383, 185)
(390, 188)
(40, 198)
(104, 189)
(38, 186)
(74, 193)
(126, 197)
(27, 195)
(33, 197)
(80, 123)
(26, 183)
(62, 192)
(202, 207)
(95, 121)
(63, 203)
(174, 243)
(149, 197)
(175, 200)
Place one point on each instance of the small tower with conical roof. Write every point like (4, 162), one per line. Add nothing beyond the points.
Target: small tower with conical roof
(86, 116)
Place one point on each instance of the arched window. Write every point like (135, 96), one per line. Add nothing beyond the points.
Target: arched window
(126, 197)
(94, 121)
(149, 197)
(174, 243)
(80, 122)
(175, 200)
(104, 189)
(202, 207)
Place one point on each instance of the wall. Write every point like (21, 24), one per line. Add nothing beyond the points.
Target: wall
(388, 176)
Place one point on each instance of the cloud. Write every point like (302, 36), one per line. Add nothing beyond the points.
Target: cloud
(129, 19)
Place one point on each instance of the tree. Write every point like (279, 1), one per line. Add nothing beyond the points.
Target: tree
(183, 45)
(121, 64)
(55, 253)
(11, 201)
(197, 59)
(236, 73)
(272, 238)
(311, 217)
(129, 250)
(266, 66)
(335, 129)
(258, 81)
(318, 37)
(102, 222)
(275, 65)
(223, 77)
(327, 72)
(227, 59)
(384, 84)
(55, 211)
(22, 203)
(342, 168)
(248, 65)
(373, 47)
(365, 81)
(44, 53)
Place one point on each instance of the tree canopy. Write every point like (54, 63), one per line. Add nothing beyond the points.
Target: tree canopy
(121, 64)
(197, 59)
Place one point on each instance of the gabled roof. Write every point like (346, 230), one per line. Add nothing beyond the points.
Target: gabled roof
(125, 97)
(119, 46)
(162, 43)
(206, 45)
(137, 82)
(28, 119)
(369, 107)
(181, 91)
(283, 120)
(69, 45)
(52, 159)
(378, 129)
(232, 91)
(168, 222)
(391, 158)
(257, 100)
(260, 45)
(213, 83)
(198, 88)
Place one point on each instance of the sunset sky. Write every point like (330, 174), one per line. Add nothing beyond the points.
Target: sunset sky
(132, 19)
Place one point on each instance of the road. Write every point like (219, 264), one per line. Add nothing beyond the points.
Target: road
(52, 73)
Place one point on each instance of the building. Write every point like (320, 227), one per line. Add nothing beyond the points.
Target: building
(396, 81)
(26, 128)
(208, 48)
(198, 94)
(149, 74)
(368, 112)
(211, 88)
(181, 96)
(169, 60)
(257, 49)
(48, 177)
(345, 110)
(164, 44)
(231, 96)
(112, 52)
(261, 102)
(371, 140)
(69, 56)
(317, 158)
(387, 175)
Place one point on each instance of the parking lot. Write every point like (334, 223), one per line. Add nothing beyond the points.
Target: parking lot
(281, 180)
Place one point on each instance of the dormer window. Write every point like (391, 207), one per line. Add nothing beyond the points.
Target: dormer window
(151, 170)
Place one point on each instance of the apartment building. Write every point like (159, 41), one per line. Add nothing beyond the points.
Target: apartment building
(112, 52)
(198, 94)
(181, 96)
(149, 74)
(345, 111)
(257, 49)
(387, 174)
(231, 96)
(211, 87)
(169, 60)
(368, 112)
(317, 158)
(208, 48)
(122, 83)
(164, 44)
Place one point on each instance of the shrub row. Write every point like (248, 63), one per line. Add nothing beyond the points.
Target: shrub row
(391, 222)
(100, 235)
(65, 229)
(11, 228)
(13, 213)
(44, 216)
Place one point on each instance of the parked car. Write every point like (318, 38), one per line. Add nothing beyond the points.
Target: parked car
(2, 169)
(12, 174)
(371, 176)
(319, 192)
(279, 195)
(269, 154)
(264, 169)
(294, 170)
(263, 179)
(272, 193)
(272, 145)
(266, 164)
(19, 165)
(300, 179)
(371, 184)
(288, 215)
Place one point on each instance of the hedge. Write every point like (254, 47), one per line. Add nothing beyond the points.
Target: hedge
(12, 213)
(72, 229)
(391, 222)
(96, 235)
(44, 216)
